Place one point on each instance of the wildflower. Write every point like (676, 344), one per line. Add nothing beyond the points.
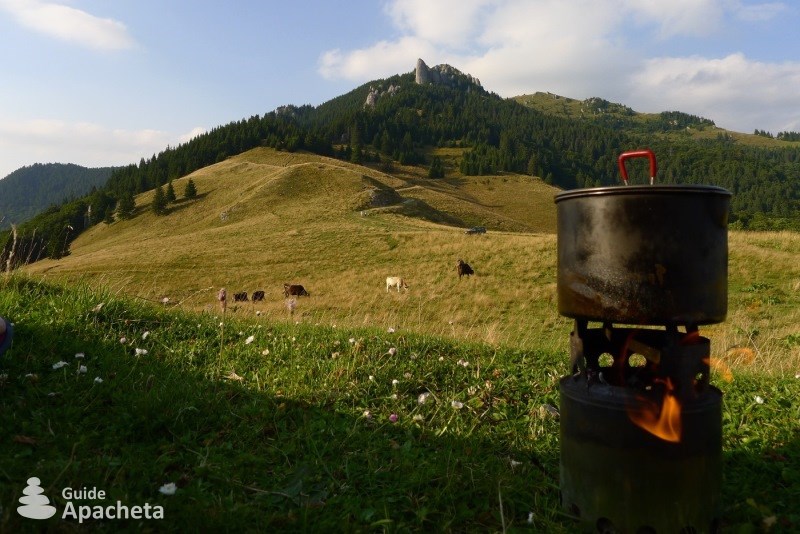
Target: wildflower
(418, 418)
(463, 363)
(141, 352)
(258, 313)
(441, 358)
(352, 340)
(98, 380)
(797, 375)
(82, 369)
(395, 382)
(336, 343)
(759, 399)
(392, 351)
(371, 377)
(334, 355)
(168, 489)
(407, 375)
(530, 518)
(146, 333)
(265, 352)
(79, 355)
(123, 340)
(367, 414)
(59, 365)
(165, 301)
(390, 330)
(423, 397)
(393, 418)
(472, 390)
(249, 340)
(457, 404)
(394, 396)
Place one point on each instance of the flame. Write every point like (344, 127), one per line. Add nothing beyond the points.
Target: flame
(663, 422)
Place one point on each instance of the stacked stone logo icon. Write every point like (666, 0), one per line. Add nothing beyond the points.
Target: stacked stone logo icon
(36, 505)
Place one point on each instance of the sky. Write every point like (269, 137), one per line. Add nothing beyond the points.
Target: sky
(108, 82)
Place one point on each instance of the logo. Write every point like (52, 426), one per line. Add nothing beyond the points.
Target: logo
(35, 504)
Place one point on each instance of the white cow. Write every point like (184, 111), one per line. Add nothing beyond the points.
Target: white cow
(395, 281)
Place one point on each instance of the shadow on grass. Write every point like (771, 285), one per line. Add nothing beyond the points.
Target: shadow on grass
(241, 460)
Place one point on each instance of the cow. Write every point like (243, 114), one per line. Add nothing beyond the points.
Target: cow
(476, 230)
(395, 281)
(463, 269)
(258, 296)
(294, 289)
(240, 297)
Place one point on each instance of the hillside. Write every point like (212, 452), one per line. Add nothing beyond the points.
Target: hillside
(30, 190)
(265, 217)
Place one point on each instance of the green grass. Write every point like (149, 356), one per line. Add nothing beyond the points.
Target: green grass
(273, 434)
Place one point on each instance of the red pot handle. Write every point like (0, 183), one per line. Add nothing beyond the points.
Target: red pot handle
(647, 153)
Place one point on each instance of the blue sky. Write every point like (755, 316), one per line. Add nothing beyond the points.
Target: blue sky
(107, 82)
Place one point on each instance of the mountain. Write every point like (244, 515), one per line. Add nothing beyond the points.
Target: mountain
(30, 190)
(443, 122)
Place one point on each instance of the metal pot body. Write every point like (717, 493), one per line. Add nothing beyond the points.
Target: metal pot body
(643, 254)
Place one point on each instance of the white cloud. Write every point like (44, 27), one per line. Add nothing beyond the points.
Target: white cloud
(89, 144)
(69, 24)
(735, 92)
(191, 134)
(759, 12)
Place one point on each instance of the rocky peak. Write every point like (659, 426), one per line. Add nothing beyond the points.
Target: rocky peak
(443, 75)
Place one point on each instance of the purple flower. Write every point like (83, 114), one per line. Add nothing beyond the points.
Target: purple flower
(393, 418)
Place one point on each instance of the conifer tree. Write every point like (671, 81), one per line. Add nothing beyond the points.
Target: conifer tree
(159, 202)
(126, 205)
(170, 195)
(190, 191)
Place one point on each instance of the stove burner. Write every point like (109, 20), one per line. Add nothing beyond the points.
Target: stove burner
(641, 445)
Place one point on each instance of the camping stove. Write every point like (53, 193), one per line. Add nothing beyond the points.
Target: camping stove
(641, 427)
(641, 440)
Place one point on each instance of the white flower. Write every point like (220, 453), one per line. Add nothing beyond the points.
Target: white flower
(59, 365)
(249, 340)
(147, 333)
(265, 352)
(367, 415)
(395, 382)
(407, 375)
(352, 340)
(759, 399)
(98, 380)
(457, 404)
(394, 396)
(797, 375)
(530, 518)
(463, 363)
(441, 358)
(141, 352)
(79, 355)
(392, 351)
(168, 489)
(82, 369)
(390, 330)
(334, 355)
(371, 377)
(165, 300)
(423, 397)
(123, 340)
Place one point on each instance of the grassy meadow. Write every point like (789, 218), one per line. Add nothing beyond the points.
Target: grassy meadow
(360, 410)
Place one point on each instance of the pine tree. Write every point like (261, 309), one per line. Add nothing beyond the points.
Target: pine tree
(159, 202)
(437, 168)
(170, 195)
(190, 191)
(126, 205)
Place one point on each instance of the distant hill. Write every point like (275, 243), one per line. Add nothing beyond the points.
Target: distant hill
(30, 190)
(443, 123)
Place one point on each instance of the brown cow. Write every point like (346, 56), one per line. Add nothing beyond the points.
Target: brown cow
(463, 269)
(258, 296)
(294, 289)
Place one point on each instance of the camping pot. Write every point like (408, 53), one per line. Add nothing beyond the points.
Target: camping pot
(643, 254)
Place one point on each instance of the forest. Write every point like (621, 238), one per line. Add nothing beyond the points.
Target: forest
(498, 135)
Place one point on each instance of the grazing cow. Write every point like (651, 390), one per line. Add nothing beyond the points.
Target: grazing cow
(294, 289)
(464, 269)
(240, 297)
(395, 281)
(258, 296)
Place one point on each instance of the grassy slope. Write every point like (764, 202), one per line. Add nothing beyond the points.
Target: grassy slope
(264, 218)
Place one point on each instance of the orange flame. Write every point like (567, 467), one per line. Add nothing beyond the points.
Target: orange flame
(663, 422)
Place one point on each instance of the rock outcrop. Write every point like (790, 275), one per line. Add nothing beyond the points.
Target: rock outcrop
(443, 75)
